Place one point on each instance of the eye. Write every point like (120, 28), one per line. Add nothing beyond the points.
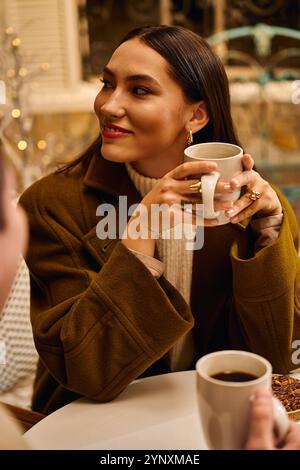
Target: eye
(140, 91)
(106, 83)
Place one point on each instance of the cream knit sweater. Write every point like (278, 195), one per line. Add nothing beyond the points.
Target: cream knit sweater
(176, 265)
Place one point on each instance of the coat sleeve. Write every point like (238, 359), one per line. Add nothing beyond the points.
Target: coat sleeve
(266, 291)
(96, 328)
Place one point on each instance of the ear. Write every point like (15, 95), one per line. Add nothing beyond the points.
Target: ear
(199, 117)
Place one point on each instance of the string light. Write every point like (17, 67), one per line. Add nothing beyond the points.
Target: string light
(16, 42)
(46, 159)
(9, 30)
(16, 113)
(10, 73)
(23, 72)
(22, 145)
(45, 66)
(42, 144)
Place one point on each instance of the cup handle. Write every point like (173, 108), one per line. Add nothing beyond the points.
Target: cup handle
(281, 419)
(208, 185)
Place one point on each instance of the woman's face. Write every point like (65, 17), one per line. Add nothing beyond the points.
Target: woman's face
(142, 111)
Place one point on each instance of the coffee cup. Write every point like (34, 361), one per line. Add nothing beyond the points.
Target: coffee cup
(226, 381)
(229, 160)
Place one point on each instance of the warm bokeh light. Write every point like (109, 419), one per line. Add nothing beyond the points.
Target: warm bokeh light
(9, 30)
(23, 72)
(46, 159)
(10, 73)
(16, 42)
(16, 113)
(22, 145)
(45, 66)
(41, 144)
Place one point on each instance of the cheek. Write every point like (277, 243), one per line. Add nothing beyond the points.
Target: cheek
(98, 103)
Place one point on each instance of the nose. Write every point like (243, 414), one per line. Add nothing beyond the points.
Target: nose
(113, 106)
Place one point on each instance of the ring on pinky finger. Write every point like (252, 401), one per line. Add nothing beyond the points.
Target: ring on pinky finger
(240, 205)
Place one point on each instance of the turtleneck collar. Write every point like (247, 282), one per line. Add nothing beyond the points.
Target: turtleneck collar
(143, 184)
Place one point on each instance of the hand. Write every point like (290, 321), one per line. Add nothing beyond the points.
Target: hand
(268, 204)
(174, 187)
(261, 434)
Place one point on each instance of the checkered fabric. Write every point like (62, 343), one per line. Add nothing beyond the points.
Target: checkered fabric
(18, 356)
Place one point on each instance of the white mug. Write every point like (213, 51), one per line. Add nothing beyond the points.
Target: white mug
(224, 406)
(229, 160)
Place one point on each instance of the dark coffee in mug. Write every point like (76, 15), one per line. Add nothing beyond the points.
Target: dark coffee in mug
(234, 376)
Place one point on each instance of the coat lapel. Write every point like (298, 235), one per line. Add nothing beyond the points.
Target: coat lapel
(109, 180)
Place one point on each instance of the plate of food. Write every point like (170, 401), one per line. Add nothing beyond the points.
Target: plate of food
(287, 390)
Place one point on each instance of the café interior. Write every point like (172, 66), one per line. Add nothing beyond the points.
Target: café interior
(52, 55)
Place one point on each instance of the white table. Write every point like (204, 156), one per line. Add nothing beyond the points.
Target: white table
(157, 412)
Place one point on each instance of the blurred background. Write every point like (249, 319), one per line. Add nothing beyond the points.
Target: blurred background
(53, 51)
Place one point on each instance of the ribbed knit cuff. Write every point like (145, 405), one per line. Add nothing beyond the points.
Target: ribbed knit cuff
(267, 230)
(155, 266)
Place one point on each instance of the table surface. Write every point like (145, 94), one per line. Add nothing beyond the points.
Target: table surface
(153, 413)
(157, 412)
(24, 417)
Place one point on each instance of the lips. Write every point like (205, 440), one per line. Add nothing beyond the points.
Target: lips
(112, 131)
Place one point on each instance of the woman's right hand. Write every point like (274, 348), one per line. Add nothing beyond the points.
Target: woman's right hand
(174, 188)
(170, 191)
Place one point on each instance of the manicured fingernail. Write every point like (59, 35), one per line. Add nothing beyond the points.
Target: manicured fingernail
(230, 212)
(212, 166)
(227, 186)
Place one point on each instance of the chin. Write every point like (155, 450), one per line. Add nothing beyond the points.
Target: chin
(115, 155)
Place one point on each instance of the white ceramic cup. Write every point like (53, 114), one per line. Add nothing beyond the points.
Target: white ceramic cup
(224, 406)
(229, 160)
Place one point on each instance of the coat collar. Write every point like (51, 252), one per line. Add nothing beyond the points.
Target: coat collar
(110, 178)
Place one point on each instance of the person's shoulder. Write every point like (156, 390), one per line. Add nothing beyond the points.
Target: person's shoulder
(51, 189)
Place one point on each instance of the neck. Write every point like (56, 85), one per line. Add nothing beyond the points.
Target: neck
(157, 167)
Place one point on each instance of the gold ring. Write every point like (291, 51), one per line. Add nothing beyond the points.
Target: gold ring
(254, 195)
(196, 187)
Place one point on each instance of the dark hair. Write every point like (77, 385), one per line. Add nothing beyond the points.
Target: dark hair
(2, 189)
(199, 72)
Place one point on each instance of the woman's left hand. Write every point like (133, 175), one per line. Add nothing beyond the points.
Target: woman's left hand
(266, 205)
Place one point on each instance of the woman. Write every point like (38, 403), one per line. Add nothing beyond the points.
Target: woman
(13, 240)
(106, 311)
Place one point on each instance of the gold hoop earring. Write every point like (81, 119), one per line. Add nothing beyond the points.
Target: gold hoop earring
(190, 138)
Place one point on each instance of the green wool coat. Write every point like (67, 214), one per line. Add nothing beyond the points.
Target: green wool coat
(101, 320)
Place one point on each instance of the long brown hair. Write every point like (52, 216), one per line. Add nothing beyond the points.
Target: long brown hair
(199, 72)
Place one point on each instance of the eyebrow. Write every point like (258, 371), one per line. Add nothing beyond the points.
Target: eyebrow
(135, 77)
